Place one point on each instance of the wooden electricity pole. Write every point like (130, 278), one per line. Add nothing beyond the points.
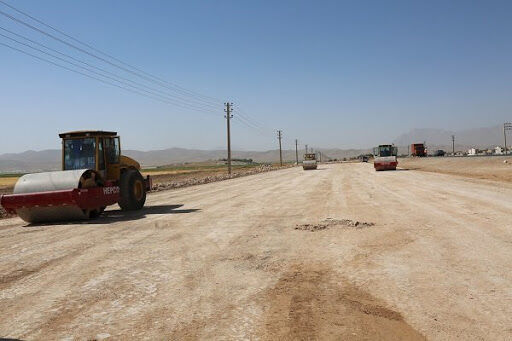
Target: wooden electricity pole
(505, 137)
(280, 136)
(296, 151)
(228, 116)
(506, 126)
(453, 145)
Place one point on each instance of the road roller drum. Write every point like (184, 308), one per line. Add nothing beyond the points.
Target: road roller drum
(49, 182)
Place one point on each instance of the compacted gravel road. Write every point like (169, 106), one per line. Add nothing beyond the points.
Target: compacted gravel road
(342, 252)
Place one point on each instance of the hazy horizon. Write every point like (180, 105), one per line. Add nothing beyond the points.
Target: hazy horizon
(480, 137)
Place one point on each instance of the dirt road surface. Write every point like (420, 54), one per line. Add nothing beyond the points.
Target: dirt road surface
(342, 252)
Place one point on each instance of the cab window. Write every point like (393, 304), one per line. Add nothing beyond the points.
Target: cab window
(112, 150)
(385, 151)
(101, 155)
(79, 154)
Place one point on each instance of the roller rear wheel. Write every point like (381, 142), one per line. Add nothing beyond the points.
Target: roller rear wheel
(133, 191)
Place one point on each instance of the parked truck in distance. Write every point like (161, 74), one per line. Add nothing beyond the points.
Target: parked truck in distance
(309, 161)
(385, 157)
(418, 149)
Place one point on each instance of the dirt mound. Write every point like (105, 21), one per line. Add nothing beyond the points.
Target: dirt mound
(329, 222)
(168, 181)
(311, 227)
(348, 223)
(310, 302)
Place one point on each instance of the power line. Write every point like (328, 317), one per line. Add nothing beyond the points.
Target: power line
(89, 76)
(138, 74)
(258, 130)
(252, 123)
(263, 128)
(246, 122)
(107, 55)
(254, 120)
(154, 96)
(193, 100)
(172, 100)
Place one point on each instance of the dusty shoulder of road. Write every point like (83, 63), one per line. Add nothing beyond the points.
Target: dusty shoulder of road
(487, 168)
(170, 180)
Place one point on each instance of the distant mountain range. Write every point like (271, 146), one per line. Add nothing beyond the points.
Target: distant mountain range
(33, 161)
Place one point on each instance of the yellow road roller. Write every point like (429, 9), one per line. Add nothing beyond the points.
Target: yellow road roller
(94, 175)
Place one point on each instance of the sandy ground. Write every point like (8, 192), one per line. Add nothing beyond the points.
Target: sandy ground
(342, 252)
(478, 167)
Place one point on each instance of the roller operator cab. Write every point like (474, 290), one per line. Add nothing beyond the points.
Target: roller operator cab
(385, 157)
(94, 175)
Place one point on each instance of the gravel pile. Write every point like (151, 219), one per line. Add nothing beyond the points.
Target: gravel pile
(211, 178)
(348, 223)
(333, 222)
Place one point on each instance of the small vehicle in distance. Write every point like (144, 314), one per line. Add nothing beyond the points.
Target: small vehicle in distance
(385, 157)
(309, 161)
(418, 149)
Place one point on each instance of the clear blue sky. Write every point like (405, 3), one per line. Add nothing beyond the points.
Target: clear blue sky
(330, 73)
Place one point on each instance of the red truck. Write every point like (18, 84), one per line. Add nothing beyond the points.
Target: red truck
(418, 149)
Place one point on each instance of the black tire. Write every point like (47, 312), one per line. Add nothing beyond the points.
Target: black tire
(132, 190)
(93, 214)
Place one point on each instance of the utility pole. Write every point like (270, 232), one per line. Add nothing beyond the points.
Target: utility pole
(279, 136)
(453, 145)
(228, 116)
(506, 126)
(306, 149)
(296, 151)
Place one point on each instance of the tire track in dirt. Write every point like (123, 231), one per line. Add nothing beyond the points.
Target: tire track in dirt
(309, 302)
(6, 280)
